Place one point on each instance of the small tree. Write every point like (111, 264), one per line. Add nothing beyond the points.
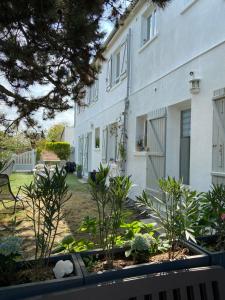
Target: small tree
(55, 132)
(109, 200)
(46, 199)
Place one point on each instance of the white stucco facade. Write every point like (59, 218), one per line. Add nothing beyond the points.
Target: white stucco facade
(189, 43)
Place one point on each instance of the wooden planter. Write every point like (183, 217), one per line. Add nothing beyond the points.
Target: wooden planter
(199, 259)
(216, 257)
(30, 290)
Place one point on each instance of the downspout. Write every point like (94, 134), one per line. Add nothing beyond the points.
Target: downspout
(126, 106)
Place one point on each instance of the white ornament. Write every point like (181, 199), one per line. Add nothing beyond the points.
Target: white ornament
(62, 268)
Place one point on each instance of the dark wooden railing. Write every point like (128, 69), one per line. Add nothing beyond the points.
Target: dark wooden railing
(206, 283)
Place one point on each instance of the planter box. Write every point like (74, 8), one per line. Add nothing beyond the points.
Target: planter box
(216, 257)
(29, 290)
(199, 259)
(79, 174)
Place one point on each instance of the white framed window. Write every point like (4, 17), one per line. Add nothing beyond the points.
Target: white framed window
(116, 66)
(92, 92)
(141, 133)
(149, 26)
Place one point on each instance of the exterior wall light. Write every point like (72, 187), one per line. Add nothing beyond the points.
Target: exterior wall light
(194, 86)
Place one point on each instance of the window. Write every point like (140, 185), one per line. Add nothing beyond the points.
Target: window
(110, 143)
(97, 138)
(141, 133)
(149, 26)
(92, 92)
(117, 66)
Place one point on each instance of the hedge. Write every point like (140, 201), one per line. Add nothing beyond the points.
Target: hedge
(61, 149)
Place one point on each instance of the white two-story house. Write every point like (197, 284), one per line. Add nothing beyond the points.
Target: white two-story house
(159, 101)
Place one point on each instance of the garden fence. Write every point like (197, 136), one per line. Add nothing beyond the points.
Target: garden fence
(24, 162)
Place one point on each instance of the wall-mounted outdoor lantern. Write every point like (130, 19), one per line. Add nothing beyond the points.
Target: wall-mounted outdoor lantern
(194, 86)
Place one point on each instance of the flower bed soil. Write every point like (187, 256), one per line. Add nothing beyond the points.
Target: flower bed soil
(27, 282)
(121, 262)
(29, 273)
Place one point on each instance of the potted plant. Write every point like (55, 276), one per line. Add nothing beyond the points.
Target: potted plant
(92, 175)
(79, 171)
(144, 252)
(46, 198)
(97, 142)
(211, 225)
(140, 145)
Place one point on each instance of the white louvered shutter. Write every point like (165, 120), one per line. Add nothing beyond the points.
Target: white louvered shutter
(109, 74)
(123, 55)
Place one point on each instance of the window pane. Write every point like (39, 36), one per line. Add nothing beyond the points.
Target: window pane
(149, 23)
(117, 65)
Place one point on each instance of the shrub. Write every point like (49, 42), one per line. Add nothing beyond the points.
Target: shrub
(177, 211)
(61, 149)
(10, 250)
(46, 199)
(213, 214)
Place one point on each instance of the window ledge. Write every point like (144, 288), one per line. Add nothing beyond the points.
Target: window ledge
(97, 149)
(189, 5)
(141, 153)
(123, 76)
(147, 43)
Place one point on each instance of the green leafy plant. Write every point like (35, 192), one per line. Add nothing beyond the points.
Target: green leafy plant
(141, 246)
(46, 198)
(61, 149)
(79, 170)
(109, 201)
(177, 211)
(213, 214)
(70, 245)
(130, 229)
(10, 251)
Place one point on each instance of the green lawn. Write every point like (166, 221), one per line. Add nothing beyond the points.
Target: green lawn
(19, 179)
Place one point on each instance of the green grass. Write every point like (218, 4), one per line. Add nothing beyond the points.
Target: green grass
(19, 179)
(75, 185)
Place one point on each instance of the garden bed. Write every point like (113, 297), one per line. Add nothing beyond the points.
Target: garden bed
(22, 287)
(92, 264)
(207, 244)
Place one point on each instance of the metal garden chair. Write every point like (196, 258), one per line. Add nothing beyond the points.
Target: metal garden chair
(6, 194)
(8, 167)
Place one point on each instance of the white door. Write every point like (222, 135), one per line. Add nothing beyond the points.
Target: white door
(156, 160)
